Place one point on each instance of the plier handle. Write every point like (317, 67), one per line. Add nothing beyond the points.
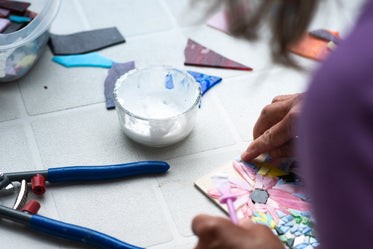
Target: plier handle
(64, 230)
(76, 173)
(84, 173)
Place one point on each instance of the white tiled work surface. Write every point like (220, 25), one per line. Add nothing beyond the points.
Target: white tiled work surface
(67, 124)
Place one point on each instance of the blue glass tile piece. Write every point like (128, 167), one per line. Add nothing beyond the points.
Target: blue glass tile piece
(206, 81)
(83, 60)
(169, 81)
(19, 19)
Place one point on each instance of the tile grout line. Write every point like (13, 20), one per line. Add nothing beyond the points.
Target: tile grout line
(170, 15)
(229, 122)
(54, 113)
(177, 237)
(167, 213)
(82, 15)
(25, 120)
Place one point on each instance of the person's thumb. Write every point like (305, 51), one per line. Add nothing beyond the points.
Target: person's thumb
(246, 223)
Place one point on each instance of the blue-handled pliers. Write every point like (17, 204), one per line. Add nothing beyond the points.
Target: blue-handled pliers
(76, 173)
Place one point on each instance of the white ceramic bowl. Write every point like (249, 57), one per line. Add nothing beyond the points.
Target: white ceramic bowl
(157, 105)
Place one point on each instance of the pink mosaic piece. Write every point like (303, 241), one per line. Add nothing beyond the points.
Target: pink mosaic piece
(4, 23)
(219, 21)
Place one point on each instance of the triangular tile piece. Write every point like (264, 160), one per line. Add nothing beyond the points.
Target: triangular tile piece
(198, 55)
(114, 73)
(206, 81)
(219, 21)
(83, 60)
(3, 24)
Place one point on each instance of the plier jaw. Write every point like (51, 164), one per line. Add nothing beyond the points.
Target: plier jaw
(4, 181)
(8, 178)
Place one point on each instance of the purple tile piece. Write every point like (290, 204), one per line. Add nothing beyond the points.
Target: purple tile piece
(9, 70)
(4, 12)
(3, 24)
(114, 73)
(325, 35)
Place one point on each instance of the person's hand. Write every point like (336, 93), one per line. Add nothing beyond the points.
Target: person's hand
(274, 130)
(221, 233)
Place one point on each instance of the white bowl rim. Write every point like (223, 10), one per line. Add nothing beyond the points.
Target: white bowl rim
(137, 69)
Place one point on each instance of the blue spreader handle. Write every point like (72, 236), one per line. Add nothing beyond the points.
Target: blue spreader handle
(82, 173)
(77, 233)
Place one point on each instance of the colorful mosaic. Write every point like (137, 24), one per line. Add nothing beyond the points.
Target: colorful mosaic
(271, 194)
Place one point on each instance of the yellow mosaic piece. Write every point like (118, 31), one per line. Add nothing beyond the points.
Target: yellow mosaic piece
(264, 170)
(270, 170)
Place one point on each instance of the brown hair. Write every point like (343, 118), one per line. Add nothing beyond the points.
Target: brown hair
(288, 20)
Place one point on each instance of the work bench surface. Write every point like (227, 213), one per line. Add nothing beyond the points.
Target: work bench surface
(56, 116)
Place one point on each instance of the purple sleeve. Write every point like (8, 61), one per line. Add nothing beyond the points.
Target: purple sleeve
(336, 141)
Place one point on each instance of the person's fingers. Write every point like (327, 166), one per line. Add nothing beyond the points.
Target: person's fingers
(202, 225)
(282, 97)
(246, 223)
(221, 233)
(211, 230)
(206, 223)
(199, 223)
(274, 112)
(271, 115)
(271, 139)
(296, 97)
(285, 150)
